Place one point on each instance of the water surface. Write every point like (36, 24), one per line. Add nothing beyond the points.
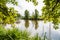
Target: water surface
(38, 26)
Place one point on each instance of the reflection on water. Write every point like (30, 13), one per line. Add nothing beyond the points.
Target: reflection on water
(26, 23)
(35, 22)
(35, 26)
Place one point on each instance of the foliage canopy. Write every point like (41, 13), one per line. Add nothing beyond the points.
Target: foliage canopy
(7, 15)
(51, 11)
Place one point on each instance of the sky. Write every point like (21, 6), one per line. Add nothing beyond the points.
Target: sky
(23, 5)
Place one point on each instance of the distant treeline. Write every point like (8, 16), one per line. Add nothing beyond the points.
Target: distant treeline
(35, 16)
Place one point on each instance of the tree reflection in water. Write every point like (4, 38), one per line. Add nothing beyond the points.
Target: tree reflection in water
(26, 23)
(35, 22)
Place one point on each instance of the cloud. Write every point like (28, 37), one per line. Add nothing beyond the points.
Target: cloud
(23, 5)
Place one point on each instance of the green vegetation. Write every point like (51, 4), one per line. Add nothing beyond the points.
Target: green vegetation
(15, 34)
(51, 11)
(36, 37)
(34, 2)
(26, 14)
(35, 16)
(7, 15)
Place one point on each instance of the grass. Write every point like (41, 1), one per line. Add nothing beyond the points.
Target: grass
(15, 34)
(36, 37)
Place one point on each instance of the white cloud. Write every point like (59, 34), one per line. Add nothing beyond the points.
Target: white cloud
(23, 5)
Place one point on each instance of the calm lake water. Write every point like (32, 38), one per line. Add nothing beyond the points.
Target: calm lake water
(37, 26)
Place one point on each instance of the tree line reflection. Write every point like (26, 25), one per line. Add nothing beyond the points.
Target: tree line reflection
(35, 23)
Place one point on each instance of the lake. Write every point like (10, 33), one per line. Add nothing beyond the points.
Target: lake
(38, 26)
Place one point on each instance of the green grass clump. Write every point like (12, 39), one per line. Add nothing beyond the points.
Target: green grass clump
(15, 34)
(36, 37)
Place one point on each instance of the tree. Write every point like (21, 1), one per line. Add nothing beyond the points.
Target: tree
(51, 11)
(34, 2)
(4, 2)
(7, 15)
(26, 14)
(36, 14)
(32, 17)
